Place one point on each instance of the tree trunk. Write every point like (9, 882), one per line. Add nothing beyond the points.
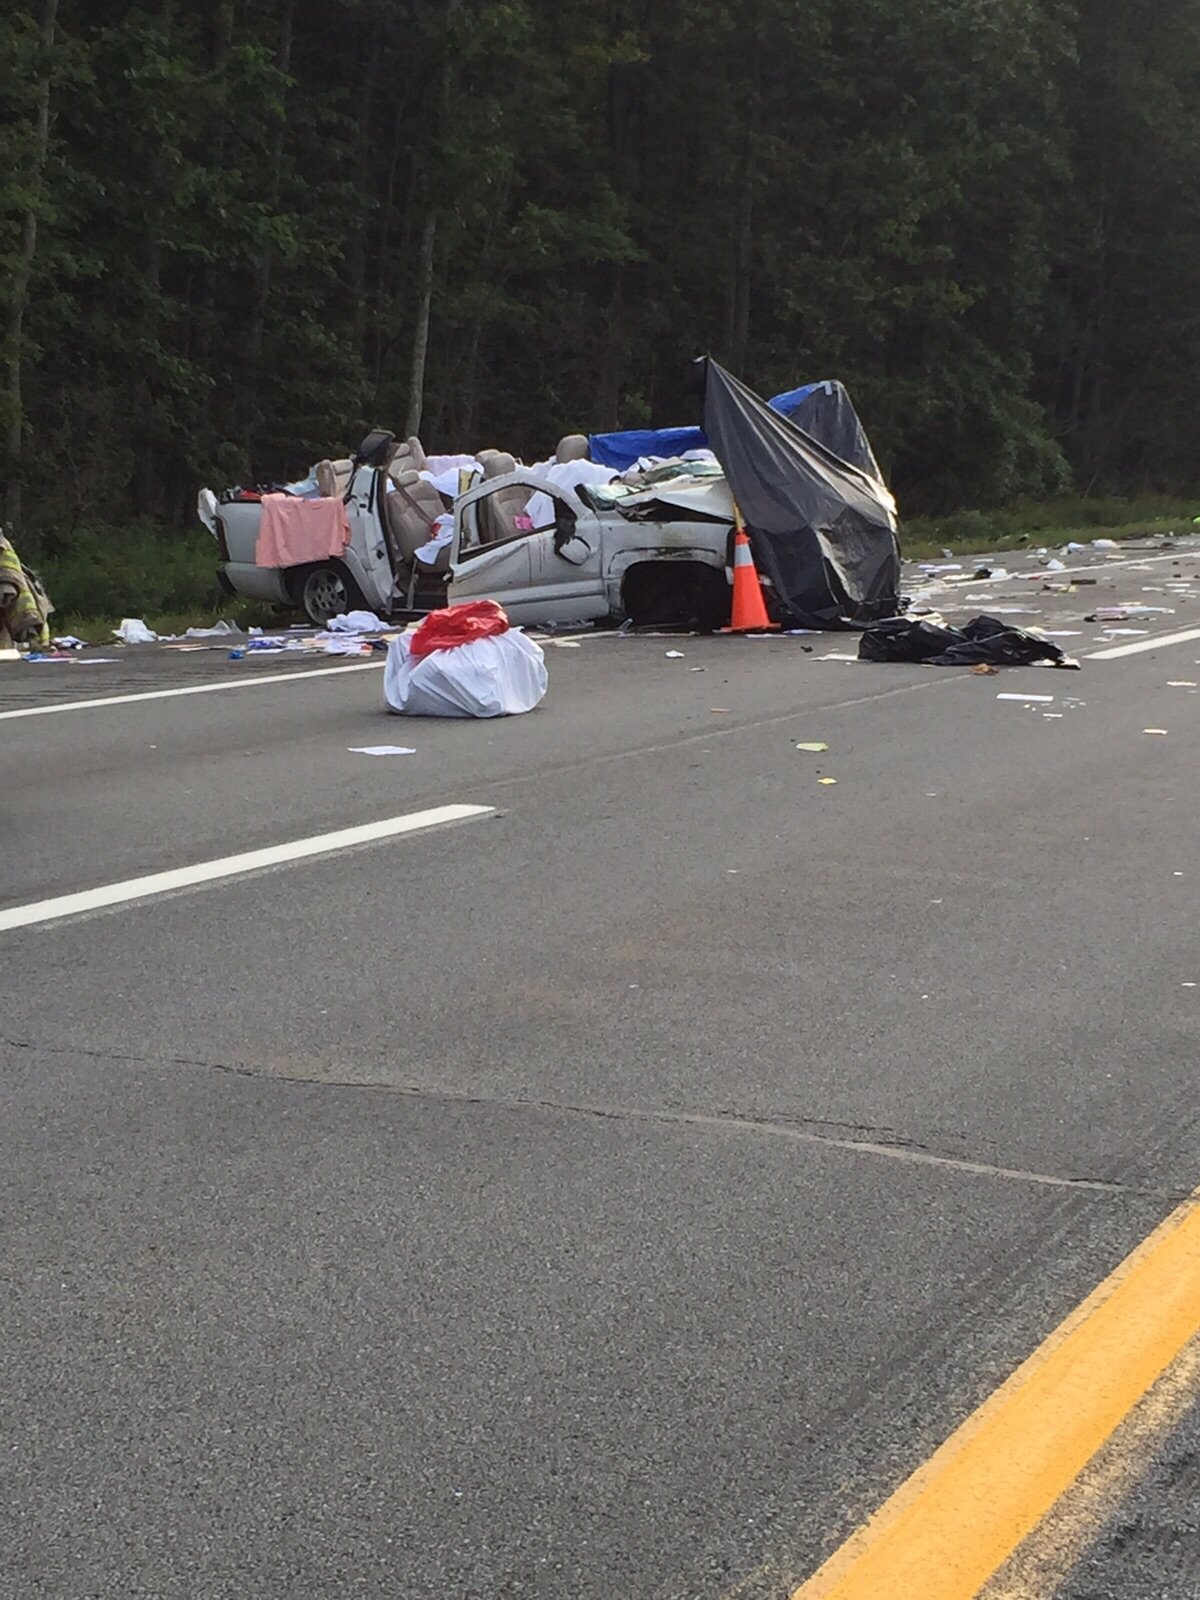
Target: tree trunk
(612, 365)
(420, 345)
(256, 331)
(416, 381)
(22, 278)
(356, 245)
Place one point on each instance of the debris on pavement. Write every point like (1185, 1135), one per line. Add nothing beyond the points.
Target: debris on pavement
(356, 622)
(674, 655)
(815, 746)
(984, 639)
(134, 631)
(1126, 612)
(381, 750)
(465, 661)
(1162, 732)
(984, 669)
(1029, 699)
(827, 782)
(219, 630)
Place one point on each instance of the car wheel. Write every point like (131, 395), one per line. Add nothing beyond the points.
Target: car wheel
(326, 592)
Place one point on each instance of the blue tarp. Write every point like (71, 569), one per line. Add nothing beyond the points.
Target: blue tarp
(621, 450)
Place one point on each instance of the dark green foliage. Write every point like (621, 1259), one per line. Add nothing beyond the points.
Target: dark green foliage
(982, 215)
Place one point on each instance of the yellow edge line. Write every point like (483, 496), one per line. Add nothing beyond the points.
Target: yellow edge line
(959, 1517)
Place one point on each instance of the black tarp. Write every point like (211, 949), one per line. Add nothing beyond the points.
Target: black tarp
(827, 414)
(822, 529)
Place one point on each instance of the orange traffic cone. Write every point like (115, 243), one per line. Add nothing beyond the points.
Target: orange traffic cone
(749, 608)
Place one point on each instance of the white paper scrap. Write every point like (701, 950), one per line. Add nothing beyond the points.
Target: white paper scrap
(380, 750)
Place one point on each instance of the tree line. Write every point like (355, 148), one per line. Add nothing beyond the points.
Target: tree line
(236, 233)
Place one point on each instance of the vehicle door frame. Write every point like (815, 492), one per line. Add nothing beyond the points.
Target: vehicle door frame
(533, 597)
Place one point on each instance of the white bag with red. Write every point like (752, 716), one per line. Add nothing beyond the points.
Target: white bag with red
(464, 661)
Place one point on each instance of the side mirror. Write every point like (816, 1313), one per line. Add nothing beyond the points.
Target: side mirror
(567, 542)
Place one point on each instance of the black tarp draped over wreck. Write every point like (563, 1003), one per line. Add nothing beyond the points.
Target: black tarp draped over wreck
(822, 529)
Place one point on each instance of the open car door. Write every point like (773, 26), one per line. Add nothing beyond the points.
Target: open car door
(532, 547)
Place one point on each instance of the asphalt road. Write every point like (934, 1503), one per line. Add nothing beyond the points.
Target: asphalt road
(614, 1196)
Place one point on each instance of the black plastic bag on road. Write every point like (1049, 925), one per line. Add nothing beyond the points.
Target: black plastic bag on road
(985, 639)
(905, 639)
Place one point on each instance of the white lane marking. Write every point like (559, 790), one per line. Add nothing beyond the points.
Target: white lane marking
(1157, 641)
(319, 844)
(193, 688)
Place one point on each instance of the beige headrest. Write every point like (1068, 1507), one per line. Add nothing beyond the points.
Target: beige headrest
(498, 464)
(572, 447)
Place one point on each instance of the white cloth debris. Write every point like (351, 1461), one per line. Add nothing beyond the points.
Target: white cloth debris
(496, 677)
(134, 631)
(356, 622)
(563, 475)
(443, 533)
(217, 631)
(442, 464)
(446, 479)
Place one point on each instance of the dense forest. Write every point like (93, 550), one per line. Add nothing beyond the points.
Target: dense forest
(235, 233)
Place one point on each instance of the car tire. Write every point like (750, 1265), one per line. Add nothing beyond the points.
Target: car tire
(327, 591)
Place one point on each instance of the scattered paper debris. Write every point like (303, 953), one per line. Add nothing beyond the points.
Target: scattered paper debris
(815, 746)
(381, 750)
(1029, 699)
(981, 669)
(1162, 732)
(828, 782)
(674, 655)
(1181, 683)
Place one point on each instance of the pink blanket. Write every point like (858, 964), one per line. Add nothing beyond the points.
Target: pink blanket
(293, 531)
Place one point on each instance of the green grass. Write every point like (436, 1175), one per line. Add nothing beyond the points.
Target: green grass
(1048, 522)
(167, 576)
